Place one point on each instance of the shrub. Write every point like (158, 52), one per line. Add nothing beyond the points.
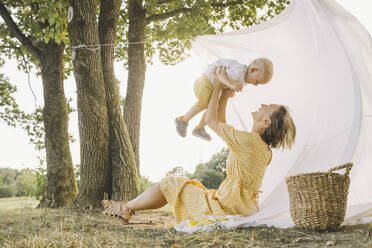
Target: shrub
(8, 191)
(145, 183)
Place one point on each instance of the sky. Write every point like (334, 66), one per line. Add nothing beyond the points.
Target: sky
(168, 93)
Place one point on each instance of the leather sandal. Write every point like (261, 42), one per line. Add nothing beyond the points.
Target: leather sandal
(117, 209)
(125, 213)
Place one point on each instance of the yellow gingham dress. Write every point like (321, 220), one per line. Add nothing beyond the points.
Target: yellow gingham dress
(237, 195)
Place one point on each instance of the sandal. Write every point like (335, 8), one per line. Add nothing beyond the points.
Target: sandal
(117, 209)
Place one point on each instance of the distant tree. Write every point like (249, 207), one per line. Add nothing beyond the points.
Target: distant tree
(41, 181)
(8, 176)
(8, 191)
(213, 172)
(145, 183)
(218, 161)
(207, 176)
(177, 171)
(26, 182)
(17, 183)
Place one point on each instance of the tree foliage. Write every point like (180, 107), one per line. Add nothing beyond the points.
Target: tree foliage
(171, 24)
(210, 174)
(163, 29)
(34, 33)
(177, 171)
(39, 22)
(17, 183)
(145, 183)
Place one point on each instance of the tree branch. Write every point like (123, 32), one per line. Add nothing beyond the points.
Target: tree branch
(163, 16)
(9, 47)
(17, 33)
(164, 1)
(167, 15)
(227, 4)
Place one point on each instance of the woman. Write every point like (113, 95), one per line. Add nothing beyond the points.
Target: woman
(250, 154)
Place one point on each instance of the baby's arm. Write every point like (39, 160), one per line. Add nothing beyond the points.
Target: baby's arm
(224, 78)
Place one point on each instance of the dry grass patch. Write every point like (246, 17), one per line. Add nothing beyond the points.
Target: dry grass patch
(18, 202)
(69, 228)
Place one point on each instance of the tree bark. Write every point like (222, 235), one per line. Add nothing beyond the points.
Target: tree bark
(136, 74)
(61, 185)
(91, 105)
(124, 174)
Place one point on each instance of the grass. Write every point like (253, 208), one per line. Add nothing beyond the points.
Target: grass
(18, 202)
(28, 227)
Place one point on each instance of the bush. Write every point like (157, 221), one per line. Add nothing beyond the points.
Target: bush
(145, 183)
(212, 173)
(41, 182)
(8, 191)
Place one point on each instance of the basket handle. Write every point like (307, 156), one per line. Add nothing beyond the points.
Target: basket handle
(347, 166)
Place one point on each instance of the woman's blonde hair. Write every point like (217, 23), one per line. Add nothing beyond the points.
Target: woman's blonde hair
(282, 131)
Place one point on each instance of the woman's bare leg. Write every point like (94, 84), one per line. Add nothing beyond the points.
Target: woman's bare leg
(152, 198)
(194, 110)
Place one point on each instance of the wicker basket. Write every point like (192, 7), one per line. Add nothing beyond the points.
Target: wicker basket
(318, 200)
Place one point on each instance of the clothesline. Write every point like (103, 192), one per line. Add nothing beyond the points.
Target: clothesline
(97, 47)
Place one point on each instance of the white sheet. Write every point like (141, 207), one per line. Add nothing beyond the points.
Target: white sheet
(322, 61)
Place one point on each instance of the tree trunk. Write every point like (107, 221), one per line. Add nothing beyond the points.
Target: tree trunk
(92, 110)
(61, 185)
(136, 74)
(124, 175)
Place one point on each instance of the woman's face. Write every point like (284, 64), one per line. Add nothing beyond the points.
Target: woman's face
(261, 117)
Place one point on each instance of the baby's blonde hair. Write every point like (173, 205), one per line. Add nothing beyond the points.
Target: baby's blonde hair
(267, 67)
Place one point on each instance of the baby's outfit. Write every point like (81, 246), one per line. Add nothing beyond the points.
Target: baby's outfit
(203, 88)
(203, 85)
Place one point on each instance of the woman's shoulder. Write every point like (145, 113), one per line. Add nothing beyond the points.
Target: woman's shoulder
(239, 140)
(231, 129)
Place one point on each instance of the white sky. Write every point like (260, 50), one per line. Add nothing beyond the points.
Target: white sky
(168, 93)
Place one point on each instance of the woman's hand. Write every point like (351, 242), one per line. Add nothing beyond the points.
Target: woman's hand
(228, 93)
(220, 74)
(218, 84)
(224, 80)
(237, 87)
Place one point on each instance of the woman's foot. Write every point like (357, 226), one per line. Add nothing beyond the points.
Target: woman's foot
(117, 209)
(201, 133)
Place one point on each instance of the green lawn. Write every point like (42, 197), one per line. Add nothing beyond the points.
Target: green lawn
(18, 202)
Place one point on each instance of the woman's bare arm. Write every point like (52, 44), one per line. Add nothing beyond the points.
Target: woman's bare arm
(222, 76)
(225, 95)
(216, 111)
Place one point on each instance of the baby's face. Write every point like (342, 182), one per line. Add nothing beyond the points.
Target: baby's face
(256, 75)
(258, 78)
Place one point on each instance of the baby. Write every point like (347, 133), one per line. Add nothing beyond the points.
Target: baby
(260, 71)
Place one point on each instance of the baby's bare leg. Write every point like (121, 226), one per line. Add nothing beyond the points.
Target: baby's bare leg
(202, 122)
(194, 110)
(152, 198)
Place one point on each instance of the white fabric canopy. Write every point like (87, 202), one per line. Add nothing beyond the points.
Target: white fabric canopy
(322, 61)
